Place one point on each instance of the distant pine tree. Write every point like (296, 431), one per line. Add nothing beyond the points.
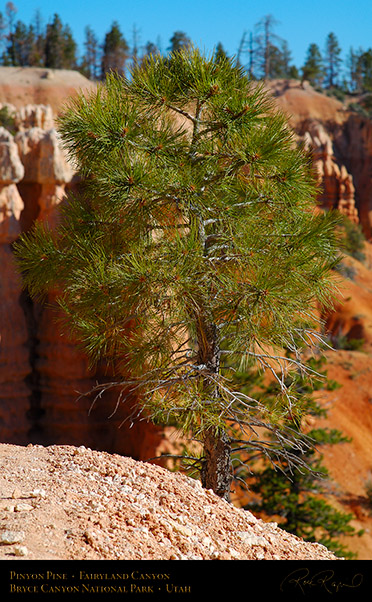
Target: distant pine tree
(220, 53)
(266, 46)
(179, 41)
(364, 67)
(297, 496)
(151, 48)
(280, 59)
(20, 43)
(313, 69)
(332, 60)
(37, 57)
(90, 62)
(60, 46)
(115, 51)
(54, 44)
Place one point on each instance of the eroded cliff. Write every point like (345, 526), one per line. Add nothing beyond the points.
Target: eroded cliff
(41, 370)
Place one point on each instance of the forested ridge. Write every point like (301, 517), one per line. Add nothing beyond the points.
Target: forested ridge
(51, 44)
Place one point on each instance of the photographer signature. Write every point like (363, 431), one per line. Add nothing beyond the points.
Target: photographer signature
(303, 579)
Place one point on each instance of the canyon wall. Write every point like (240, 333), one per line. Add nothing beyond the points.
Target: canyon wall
(14, 365)
(42, 373)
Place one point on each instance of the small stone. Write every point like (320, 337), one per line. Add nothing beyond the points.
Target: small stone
(224, 555)
(9, 537)
(207, 542)
(38, 493)
(79, 450)
(272, 526)
(20, 551)
(185, 531)
(252, 520)
(195, 484)
(92, 537)
(23, 507)
(251, 540)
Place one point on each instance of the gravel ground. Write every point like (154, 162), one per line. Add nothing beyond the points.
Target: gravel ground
(65, 503)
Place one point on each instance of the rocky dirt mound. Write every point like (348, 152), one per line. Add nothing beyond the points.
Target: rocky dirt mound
(302, 102)
(24, 85)
(65, 502)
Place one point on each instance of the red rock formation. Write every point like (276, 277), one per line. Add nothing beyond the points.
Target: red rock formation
(42, 373)
(46, 172)
(353, 143)
(350, 135)
(63, 374)
(14, 364)
(31, 116)
(39, 86)
(336, 184)
(301, 102)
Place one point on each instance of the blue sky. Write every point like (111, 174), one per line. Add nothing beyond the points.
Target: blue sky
(207, 22)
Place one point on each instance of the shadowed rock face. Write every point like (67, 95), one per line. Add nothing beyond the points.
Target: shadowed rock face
(13, 329)
(46, 174)
(41, 372)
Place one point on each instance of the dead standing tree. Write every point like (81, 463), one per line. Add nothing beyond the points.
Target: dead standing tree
(265, 40)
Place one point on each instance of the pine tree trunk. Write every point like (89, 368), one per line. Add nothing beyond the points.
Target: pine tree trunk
(217, 470)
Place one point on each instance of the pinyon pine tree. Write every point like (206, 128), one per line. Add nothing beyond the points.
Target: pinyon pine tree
(192, 239)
